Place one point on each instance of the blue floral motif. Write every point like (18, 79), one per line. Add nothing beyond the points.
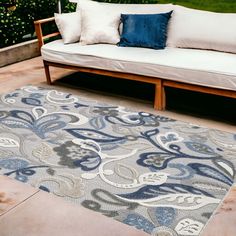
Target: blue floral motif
(79, 105)
(97, 123)
(169, 138)
(12, 95)
(228, 166)
(88, 162)
(139, 222)
(148, 119)
(106, 111)
(36, 95)
(152, 191)
(94, 135)
(45, 124)
(150, 133)
(165, 215)
(22, 174)
(31, 101)
(138, 119)
(200, 148)
(22, 178)
(42, 187)
(65, 107)
(160, 160)
(186, 172)
(155, 160)
(210, 172)
(13, 163)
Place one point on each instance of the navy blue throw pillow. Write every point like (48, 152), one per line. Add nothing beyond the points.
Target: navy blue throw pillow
(142, 30)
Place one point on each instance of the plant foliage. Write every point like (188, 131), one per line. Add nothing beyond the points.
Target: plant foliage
(12, 29)
(17, 23)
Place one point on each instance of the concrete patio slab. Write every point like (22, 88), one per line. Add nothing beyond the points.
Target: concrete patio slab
(223, 222)
(44, 214)
(12, 193)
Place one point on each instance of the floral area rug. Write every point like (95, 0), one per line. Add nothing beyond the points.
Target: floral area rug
(157, 174)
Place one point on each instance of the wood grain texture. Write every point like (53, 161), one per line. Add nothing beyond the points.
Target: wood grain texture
(201, 89)
(38, 25)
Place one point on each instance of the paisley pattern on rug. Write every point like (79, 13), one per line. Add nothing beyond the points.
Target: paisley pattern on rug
(160, 175)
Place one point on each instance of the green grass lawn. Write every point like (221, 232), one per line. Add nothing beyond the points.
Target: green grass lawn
(210, 5)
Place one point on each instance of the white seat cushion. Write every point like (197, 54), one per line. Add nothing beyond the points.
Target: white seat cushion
(201, 67)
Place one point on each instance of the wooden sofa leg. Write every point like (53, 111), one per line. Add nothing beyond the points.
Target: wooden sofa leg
(47, 73)
(163, 98)
(160, 99)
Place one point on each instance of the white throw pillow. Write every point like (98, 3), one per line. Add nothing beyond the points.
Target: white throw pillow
(69, 25)
(99, 23)
(189, 28)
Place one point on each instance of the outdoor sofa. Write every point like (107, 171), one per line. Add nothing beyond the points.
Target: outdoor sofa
(200, 52)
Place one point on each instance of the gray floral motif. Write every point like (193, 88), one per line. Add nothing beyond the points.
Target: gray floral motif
(67, 185)
(198, 138)
(106, 111)
(4, 114)
(155, 159)
(75, 156)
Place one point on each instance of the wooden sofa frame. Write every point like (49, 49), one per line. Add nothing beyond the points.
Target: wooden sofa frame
(160, 84)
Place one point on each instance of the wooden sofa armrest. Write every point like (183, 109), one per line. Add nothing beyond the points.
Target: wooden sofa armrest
(38, 29)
